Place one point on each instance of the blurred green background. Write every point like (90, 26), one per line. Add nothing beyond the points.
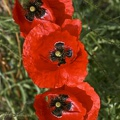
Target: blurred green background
(101, 36)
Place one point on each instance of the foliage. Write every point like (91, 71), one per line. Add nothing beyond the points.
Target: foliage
(101, 36)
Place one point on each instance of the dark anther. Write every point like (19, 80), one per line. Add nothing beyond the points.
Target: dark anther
(60, 52)
(33, 9)
(59, 46)
(60, 104)
(63, 97)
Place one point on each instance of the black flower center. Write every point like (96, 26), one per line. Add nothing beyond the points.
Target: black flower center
(60, 52)
(33, 9)
(59, 105)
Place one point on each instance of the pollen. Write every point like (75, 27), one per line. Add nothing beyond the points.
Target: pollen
(58, 54)
(32, 9)
(58, 104)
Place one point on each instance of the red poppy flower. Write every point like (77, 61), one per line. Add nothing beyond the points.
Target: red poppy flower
(31, 14)
(36, 11)
(52, 57)
(68, 103)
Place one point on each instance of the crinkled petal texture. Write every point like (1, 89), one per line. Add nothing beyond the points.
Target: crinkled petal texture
(88, 98)
(55, 11)
(26, 25)
(62, 9)
(85, 103)
(53, 72)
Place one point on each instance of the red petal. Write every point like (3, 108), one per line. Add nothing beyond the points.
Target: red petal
(18, 15)
(62, 9)
(77, 70)
(31, 46)
(88, 97)
(73, 26)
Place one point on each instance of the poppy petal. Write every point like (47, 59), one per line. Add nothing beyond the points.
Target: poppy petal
(73, 26)
(90, 100)
(62, 9)
(77, 70)
(18, 16)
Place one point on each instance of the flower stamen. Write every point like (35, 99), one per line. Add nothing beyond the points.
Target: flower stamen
(59, 104)
(34, 9)
(60, 53)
